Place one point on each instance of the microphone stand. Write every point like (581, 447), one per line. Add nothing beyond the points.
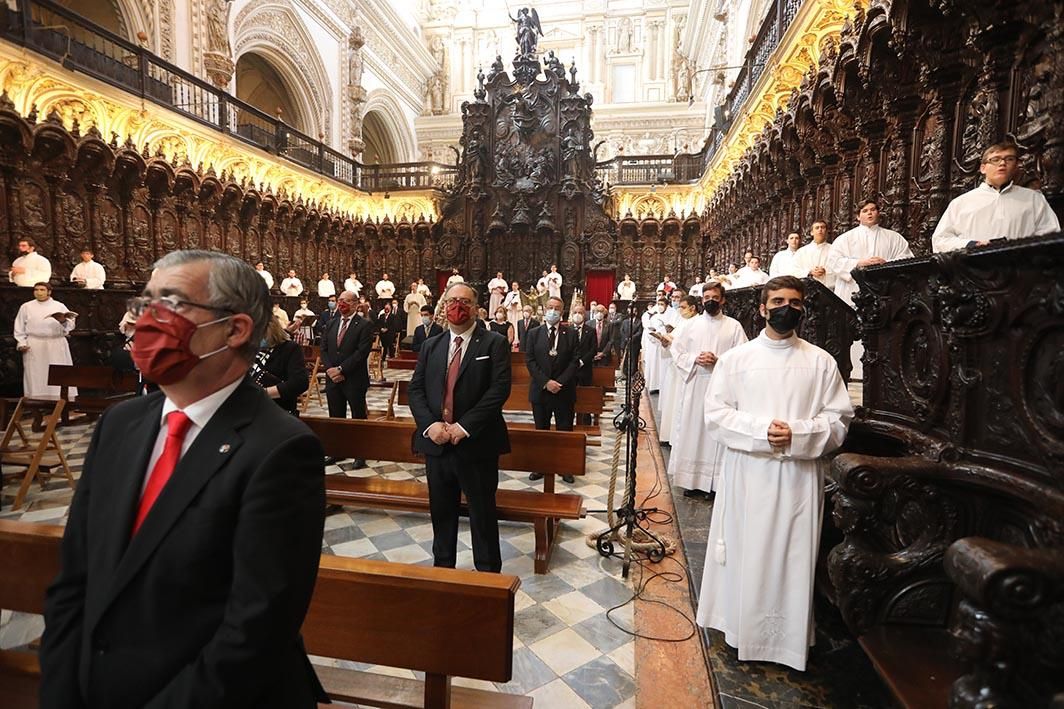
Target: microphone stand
(628, 423)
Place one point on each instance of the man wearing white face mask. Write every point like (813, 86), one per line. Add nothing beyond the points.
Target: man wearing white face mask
(552, 355)
(587, 343)
(428, 328)
(654, 327)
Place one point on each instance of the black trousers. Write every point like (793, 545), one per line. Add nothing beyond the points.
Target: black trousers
(561, 408)
(449, 477)
(340, 397)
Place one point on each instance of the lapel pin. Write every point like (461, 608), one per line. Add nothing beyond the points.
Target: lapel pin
(224, 448)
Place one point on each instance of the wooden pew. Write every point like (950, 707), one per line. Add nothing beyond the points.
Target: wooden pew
(604, 377)
(548, 452)
(443, 622)
(98, 387)
(589, 400)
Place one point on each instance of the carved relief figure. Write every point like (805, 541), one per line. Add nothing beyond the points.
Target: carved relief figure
(218, 26)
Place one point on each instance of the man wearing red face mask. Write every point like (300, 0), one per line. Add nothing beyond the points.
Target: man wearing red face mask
(194, 536)
(457, 392)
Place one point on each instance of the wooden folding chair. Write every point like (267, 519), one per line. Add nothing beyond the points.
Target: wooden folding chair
(39, 458)
(312, 355)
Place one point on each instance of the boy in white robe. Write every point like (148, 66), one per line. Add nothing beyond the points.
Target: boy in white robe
(694, 457)
(776, 405)
(554, 282)
(88, 273)
(811, 260)
(683, 309)
(41, 328)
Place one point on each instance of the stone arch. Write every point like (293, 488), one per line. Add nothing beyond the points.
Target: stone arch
(275, 32)
(383, 108)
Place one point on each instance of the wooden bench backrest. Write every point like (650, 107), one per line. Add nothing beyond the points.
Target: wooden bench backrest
(89, 376)
(556, 452)
(29, 562)
(443, 621)
(589, 400)
(600, 376)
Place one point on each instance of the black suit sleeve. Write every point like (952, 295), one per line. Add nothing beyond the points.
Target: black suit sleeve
(419, 402)
(539, 377)
(276, 551)
(566, 377)
(295, 377)
(490, 405)
(64, 603)
(361, 353)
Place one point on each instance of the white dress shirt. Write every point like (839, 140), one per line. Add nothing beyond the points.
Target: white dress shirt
(985, 213)
(466, 337)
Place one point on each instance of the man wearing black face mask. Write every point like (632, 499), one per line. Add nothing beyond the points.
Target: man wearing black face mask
(194, 536)
(776, 405)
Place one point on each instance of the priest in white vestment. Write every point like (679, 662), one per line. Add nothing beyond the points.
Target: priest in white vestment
(292, 286)
(812, 259)
(41, 328)
(653, 322)
(867, 244)
(326, 287)
(783, 262)
(496, 292)
(694, 458)
(512, 303)
(353, 285)
(776, 406)
(88, 273)
(385, 288)
(260, 268)
(412, 304)
(455, 277)
(626, 289)
(30, 268)
(684, 309)
(554, 282)
(996, 209)
(423, 289)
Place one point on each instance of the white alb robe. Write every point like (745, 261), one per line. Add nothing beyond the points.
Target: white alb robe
(783, 264)
(455, 278)
(412, 304)
(385, 289)
(292, 286)
(554, 284)
(38, 270)
(46, 338)
(512, 303)
(326, 288)
(694, 457)
(353, 285)
(757, 586)
(750, 277)
(986, 213)
(423, 290)
(266, 276)
(91, 273)
(671, 384)
(809, 257)
(626, 290)
(496, 292)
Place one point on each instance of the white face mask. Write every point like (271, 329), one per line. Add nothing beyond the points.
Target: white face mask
(426, 320)
(660, 308)
(552, 317)
(613, 311)
(598, 316)
(578, 319)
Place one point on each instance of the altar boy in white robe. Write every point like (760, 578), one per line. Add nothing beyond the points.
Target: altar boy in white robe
(694, 458)
(41, 328)
(776, 405)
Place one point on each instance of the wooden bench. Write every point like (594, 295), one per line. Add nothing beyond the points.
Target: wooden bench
(589, 400)
(98, 387)
(548, 452)
(443, 622)
(604, 377)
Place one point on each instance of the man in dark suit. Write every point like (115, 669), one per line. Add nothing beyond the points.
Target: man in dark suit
(525, 325)
(457, 392)
(389, 326)
(553, 360)
(194, 536)
(587, 344)
(425, 331)
(325, 317)
(604, 334)
(344, 352)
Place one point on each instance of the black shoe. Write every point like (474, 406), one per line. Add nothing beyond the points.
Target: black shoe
(535, 476)
(333, 509)
(329, 460)
(692, 493)
(358, 463)
(568, 479)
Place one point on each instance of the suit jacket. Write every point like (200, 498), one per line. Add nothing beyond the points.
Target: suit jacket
(351, 354)
(288, 372)
(605, 342)
(202, 608)
(521, 330)
(420, 335)
(482, 388)
(562, 368)
(587, 344)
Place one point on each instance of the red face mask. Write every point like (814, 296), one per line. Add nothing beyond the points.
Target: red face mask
(161, 349)
(458, 312)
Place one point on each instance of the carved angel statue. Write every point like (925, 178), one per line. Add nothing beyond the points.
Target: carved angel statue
(218, 26)
(528, 27)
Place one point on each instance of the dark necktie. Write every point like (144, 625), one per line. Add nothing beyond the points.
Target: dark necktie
(177, 425)
(343, 331)
(452, 377)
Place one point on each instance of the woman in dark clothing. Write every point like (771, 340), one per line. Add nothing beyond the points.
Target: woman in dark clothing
(280, 369)
(502, 326)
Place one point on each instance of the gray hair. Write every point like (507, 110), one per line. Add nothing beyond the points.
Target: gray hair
(476, 295)
(232, 285)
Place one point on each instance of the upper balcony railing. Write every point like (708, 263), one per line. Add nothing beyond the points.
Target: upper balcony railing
(59, 33)
(54, 31)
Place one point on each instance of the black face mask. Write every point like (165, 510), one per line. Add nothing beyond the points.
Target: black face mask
(711, 307)
(784, 318)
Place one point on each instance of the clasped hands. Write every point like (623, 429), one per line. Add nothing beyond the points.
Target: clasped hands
(552, 386)
(871, 261)
(706, 359)
(335, 374)
(441, 433)
(817, 272)
(779, 434)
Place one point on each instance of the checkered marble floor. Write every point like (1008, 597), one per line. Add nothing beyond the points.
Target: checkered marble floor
(566, 652)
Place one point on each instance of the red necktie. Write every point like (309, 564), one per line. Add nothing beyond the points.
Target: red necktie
(598, 331)
(452, 377)
(343, 331)
(176, 427)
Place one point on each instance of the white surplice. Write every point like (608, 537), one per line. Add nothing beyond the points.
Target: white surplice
(37, 269)
(412, 304)
(267, 277)
(757, 587)
(809, 257)
(385, 289)
(985, 213)
(694, 457)
(512, 303)
(46, 338)
(783, 264)
(326, 288)
(353, 285)
(91, 273)
(496, 292)
(292, 286)
(671, 382)
(554, 284)
(626, 290)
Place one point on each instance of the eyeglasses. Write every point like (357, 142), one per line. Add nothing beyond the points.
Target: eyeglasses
(465, 301)
(1000, 159)
(164, 308)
